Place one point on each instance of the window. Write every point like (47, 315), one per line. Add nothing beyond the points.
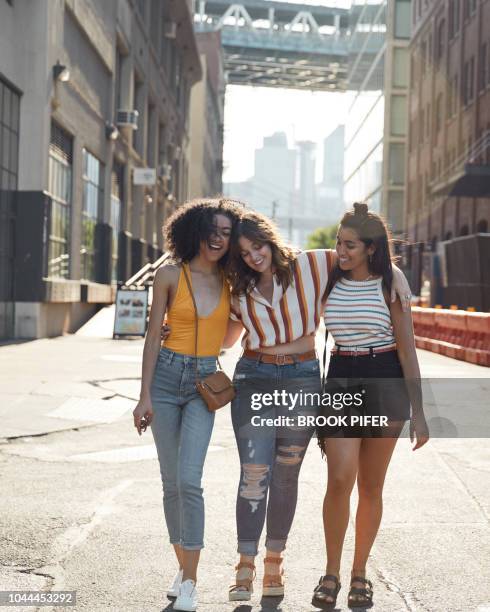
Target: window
(439, 106)
(9, 137)
(117, 184)
(398, 115)
(140, 5)
(60, 189)
(441, 34)
(483, 74)
(423, 57)
(455, 95)
(402, 19)
(118, 81)
(468, 81)
(92, 196)
(453, 18)
(469, 8)
(397, 164)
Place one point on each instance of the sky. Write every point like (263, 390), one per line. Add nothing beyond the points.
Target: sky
(254, 112)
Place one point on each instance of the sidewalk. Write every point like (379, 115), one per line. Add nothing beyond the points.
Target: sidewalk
(73, 381)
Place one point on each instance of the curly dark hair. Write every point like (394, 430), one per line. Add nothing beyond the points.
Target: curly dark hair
(193, 222)
(260, 229)
(372, 230)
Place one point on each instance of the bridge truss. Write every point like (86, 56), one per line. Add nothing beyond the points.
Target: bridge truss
(280, 44)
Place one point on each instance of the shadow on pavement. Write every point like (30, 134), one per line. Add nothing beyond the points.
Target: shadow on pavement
(10, 341)
(271, 604)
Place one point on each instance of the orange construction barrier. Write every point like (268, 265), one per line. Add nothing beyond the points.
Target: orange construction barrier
(454, 333)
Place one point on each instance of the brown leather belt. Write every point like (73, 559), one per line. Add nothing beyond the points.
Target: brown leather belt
(357, 352)
(280, 359)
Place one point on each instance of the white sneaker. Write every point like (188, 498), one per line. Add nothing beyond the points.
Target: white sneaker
(173, 591)
(187, 599)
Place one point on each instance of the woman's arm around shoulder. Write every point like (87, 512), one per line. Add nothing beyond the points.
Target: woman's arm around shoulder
(233, 332)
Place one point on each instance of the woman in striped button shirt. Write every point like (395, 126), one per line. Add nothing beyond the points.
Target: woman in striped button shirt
(373, 357)
(278, 297)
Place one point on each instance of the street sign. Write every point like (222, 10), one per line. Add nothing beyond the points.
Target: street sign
(131, 310)
(144, 176)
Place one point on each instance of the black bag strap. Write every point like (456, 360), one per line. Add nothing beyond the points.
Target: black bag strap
(324, 373)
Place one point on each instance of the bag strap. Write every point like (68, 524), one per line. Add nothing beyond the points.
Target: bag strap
(189, 287)
(324, 374)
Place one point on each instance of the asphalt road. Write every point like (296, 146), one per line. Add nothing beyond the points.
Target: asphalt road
(82, 507)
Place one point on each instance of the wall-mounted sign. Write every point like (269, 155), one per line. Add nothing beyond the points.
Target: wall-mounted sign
(131, 310)
(144, 176)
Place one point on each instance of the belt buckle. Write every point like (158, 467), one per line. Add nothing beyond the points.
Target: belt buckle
(280, 360)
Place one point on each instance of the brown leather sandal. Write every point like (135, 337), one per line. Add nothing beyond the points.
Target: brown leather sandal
(273, 584)
(243, 588)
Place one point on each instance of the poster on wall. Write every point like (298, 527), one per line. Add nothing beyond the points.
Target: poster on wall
(131, 309)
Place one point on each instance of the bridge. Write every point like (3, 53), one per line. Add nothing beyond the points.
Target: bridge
(282, 44)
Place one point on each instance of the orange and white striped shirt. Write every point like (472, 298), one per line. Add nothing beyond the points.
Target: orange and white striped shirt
(292, 314)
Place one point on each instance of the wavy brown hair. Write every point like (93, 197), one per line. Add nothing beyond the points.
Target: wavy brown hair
(261, 230)
(193, 222)
(373, 231)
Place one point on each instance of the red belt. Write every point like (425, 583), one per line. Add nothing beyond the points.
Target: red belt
(280, 359)
(356, 352)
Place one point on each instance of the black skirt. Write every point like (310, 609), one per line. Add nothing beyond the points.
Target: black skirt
(363, 396)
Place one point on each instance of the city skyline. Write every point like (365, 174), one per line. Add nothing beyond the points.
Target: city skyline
(300, 115)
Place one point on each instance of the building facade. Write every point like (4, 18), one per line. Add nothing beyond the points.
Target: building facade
(376, 128)
(92, 94)
(447, 209)
(207, 120)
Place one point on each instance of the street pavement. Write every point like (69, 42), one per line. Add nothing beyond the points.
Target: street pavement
(82, 507)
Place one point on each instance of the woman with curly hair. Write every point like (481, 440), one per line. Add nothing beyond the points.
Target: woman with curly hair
(373, 358)
(198, 237)
(278, 297)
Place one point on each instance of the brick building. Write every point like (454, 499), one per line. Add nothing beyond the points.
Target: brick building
(92, 93)
(447, 206)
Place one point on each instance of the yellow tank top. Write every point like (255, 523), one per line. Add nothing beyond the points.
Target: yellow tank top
(181, 319)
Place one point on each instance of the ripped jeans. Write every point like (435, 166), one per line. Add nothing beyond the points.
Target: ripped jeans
(271, 449)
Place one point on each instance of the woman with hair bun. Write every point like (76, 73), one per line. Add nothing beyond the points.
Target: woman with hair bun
(278, 297)
(373, 361)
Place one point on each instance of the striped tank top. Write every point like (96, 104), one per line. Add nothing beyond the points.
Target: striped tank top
(356, 314)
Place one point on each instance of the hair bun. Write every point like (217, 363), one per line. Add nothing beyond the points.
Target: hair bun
(360, 209)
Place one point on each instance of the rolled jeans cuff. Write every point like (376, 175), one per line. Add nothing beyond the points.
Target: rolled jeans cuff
(248, 547)
(275, 545)
(192, 546)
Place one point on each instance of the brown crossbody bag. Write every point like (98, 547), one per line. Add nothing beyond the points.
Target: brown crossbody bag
(216, 389)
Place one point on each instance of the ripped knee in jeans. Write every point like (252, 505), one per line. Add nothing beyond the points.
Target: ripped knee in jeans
(254, 483)
(290, 455)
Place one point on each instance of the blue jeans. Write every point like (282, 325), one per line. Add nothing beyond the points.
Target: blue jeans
(270, 455)
(181, 427)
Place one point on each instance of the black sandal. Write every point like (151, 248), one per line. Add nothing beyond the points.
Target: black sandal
(360, 597)
(321, 592)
